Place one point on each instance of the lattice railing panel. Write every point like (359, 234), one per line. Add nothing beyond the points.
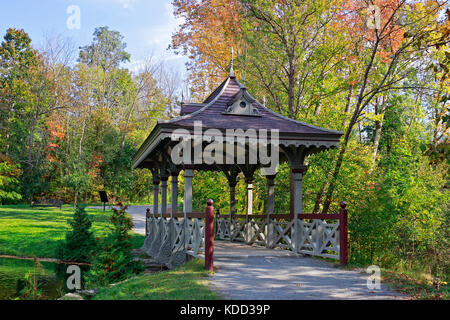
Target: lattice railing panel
(237, 230)
(256, 232)
(195, 236)
(223, 229)
(169, 239)
(318, 237)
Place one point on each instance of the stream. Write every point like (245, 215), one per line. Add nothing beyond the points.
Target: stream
(51, 278)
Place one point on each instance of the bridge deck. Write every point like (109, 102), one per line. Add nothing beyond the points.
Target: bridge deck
(252, 273)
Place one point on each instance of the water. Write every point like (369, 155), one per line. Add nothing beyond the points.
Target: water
(51, 278)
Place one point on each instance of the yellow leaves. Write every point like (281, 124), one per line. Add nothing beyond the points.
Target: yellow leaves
(370, 117)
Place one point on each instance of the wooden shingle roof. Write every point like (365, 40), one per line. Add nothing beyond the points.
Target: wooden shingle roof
(212, 114)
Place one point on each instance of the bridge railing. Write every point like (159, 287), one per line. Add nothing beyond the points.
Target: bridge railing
(170, 237)
(323, 235)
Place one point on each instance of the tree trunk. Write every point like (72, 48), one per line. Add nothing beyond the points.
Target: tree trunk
(291, 86)
(319, 197)
(337, 168)
(376, 142)
(80, 146)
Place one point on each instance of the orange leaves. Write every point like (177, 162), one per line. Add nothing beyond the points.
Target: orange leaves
(367, 23)
(53, 145)
(210, 29)
(52, 159)
(96, 161)
(56, 134)
(55, 130)
(94, 165)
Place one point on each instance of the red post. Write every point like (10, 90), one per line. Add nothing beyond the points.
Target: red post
(147, 215)
(343, 234)
(209, 235)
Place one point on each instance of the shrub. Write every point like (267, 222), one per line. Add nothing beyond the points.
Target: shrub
(114, 262)
(80, 243)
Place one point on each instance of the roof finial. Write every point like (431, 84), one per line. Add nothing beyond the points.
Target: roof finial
(231, 64)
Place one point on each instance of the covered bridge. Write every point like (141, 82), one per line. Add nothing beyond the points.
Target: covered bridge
(233, 133)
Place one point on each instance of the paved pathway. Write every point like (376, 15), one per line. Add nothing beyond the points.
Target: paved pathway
(138, 215)
(252, 273)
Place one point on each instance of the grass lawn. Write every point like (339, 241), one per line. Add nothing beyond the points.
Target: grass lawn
(185, 282)
(26, 231)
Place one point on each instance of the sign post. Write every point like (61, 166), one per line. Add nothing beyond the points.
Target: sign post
(103, 198)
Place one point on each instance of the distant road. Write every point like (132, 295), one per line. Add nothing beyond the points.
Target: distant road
(137, 213)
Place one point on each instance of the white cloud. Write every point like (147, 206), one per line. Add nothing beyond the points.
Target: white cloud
(161, 35)
(127, 3)
(156, 38)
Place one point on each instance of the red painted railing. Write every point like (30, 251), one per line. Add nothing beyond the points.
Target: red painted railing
(341, 216)
(209, 227)
(209, 235)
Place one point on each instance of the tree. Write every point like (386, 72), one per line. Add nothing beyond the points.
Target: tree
(16, 57)
(114, 262)
(210, 29)
(107, 50)
(80, 243)
(9, 180)
(293, 52)
(399, 42)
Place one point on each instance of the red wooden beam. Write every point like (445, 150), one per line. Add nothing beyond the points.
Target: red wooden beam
(318, 216)
(209, 235)
(343, 234)
(199, 215)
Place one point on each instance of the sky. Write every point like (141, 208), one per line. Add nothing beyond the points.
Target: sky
(147, 25)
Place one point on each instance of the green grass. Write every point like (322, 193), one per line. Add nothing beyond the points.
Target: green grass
(26, 231)
(185, 282)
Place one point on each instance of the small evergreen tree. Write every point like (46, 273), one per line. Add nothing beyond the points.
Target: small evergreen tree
(80, 243)
(115, 262)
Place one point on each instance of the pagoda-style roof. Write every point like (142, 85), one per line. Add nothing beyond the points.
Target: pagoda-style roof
(230, 106)
(187, 108)
(212, 113)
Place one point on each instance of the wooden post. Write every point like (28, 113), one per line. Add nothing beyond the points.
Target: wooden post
(147, 215)
(164, 195)
(232, 186)
(174, 196)
(155, 196)
(343, 234)
(209, 235)
(248, 226)
(188, 175)
(297, 174)
(270, 208)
